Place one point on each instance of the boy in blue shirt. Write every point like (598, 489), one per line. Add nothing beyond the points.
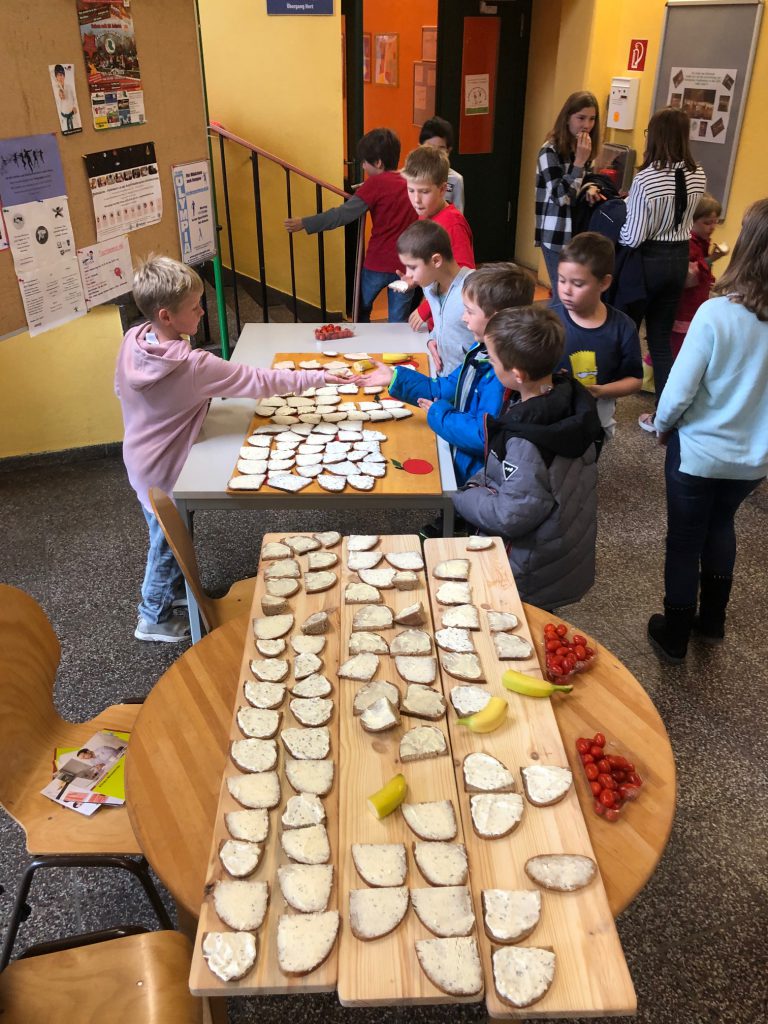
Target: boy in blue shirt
(457, 405)
(602, 346)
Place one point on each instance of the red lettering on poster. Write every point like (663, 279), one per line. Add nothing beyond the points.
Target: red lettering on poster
(638, 49)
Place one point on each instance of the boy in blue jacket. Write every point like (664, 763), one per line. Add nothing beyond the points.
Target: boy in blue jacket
(457, 404)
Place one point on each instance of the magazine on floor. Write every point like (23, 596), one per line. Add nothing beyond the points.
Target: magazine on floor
(88, 777)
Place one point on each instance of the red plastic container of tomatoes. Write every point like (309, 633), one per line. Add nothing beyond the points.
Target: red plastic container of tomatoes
(612, 775)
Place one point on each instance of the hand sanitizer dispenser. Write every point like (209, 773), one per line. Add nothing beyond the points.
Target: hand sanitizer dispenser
(622, 103)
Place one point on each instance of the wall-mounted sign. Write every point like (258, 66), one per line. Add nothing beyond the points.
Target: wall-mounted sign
(638, 50)
(706, 95)
(194, 210)
(125, 189)
(299, 6)
(111, 63)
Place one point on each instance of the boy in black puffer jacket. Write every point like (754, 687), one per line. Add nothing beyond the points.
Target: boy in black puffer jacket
(538, 487)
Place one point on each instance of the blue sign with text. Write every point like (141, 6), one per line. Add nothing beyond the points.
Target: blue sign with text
(299, 6)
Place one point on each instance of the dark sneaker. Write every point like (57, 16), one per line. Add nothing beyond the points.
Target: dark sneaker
(173, 631)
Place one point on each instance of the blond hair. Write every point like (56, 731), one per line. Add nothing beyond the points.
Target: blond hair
(427, 164)
(162, 283)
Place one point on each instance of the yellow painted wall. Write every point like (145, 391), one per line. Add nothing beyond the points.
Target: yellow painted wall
(56, 390)
(581, 45)
(277, 82)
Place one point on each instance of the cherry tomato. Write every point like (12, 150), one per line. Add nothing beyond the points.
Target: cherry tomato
(607, 798)
(580, 652)
(583, 745)
(587, 759)
(589, 651)
(596, 788)
(602, 762)
(596, 751)
(557, 665)
(561, 630)
(618, 762)
(600, 808)
(628, 792)
(550, 628)
(591, 771)
(552, 645)
(579, 639)
(628, 767)
(569, 661)
(619, 775)
(561, 651)
(598, 739)
(606, 781)
(611, 814)
(633, 779)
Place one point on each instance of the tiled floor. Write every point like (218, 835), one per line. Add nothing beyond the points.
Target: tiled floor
(696, 939)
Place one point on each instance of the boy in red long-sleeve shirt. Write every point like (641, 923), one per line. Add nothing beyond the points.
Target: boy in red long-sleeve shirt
(426, 175)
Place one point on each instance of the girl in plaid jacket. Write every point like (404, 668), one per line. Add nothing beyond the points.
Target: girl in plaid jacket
(563, 161)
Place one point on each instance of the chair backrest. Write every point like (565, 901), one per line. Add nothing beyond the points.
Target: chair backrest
(183, 549)
(29, 658)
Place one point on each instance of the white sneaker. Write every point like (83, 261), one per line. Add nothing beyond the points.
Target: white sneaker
(173, 631)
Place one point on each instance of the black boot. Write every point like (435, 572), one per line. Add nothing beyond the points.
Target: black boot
(709, 624)
(668, 633)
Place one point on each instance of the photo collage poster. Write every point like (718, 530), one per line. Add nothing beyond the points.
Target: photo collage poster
(706, 95)
(111, 63)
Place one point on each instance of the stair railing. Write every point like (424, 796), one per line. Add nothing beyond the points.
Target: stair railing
(224, 136)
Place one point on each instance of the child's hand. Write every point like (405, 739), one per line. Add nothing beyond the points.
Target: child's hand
(332, 378)
(415, 322)
(380, 376)
(432, 346)
(583, 149)
(692, 278)
(294, 224)
(425, 403)
(595, 390)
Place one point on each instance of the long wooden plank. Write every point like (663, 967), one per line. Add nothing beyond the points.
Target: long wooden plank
(266, 977)
(406, 438)
(384, 971)
(591, 975)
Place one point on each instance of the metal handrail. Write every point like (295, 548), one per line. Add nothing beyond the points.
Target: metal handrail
(218, 130)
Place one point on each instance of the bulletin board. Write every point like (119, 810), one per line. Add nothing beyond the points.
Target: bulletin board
(711, 35)
(37, 33)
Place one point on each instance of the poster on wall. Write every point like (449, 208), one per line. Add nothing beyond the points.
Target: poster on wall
(125, 189)
(63, 85)
(477, 93)
(423, 91)
(30, 169)
(385, 67)
(105, 270)
(194, 210)
(111, 63)
(706, 95)
(43, 249)
(3, 234)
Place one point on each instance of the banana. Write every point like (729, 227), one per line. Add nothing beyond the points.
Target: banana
(395, 357)
(389, 797)
(530, 686)
(490, 718)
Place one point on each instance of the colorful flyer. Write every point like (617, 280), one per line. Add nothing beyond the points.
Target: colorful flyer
(3, 234)
(194, 209)
(111, 63)
(105, 270)
(63, 85)
(43, 249)
(706, 95)
(125, 189)
(90, 776)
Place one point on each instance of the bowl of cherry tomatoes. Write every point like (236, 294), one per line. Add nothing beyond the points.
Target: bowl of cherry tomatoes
(611, 776)
(565, 655)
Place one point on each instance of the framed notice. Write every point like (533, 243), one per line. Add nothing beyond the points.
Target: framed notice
(386, 53)
(423, 91)
(299, 6)
(429, 42)
(366, 56)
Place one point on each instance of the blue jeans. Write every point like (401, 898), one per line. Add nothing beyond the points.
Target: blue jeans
(398, 303)
(700, 531)
(162, 576)
(551, 261)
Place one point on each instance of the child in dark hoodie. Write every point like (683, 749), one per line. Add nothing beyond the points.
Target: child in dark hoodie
(164, 387)
(538, 488)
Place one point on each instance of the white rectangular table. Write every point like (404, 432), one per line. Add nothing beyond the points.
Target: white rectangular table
(202, 483)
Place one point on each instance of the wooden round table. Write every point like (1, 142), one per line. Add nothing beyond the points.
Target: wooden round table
(178, 746)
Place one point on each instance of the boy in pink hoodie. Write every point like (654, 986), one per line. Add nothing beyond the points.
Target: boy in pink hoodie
(164, 387)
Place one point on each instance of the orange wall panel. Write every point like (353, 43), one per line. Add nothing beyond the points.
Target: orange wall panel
(389, 106)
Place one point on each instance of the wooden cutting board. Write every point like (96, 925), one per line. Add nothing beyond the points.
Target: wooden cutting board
(384, 971)
(406, 438)
(591, 974)
(266, 977)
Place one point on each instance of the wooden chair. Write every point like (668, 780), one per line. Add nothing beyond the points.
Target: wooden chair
(134, 979)
(214, 610)
(30, 730)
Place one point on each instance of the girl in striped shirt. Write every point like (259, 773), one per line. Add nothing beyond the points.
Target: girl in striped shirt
(660, 208)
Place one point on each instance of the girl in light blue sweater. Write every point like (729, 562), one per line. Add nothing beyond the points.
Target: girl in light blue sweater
(713, 418)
